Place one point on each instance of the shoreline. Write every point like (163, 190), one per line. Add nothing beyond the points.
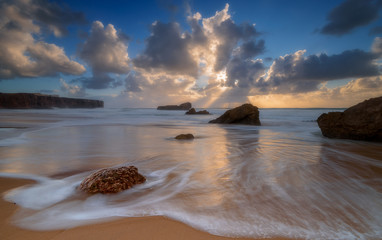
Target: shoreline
(139, 228)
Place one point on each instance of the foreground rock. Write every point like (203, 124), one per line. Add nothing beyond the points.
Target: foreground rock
(193, 111)
(112, 180)
(40, 101)
(360, 122)
(245, 114)
(188, 136)
(183, 106)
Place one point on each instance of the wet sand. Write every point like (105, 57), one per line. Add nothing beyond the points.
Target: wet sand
(140, 228)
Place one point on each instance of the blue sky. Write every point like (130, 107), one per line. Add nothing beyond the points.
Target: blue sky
(272, 53)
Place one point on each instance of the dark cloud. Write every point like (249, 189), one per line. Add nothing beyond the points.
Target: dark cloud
(244, 73)
(99, 80)
(350, 15)
(296, 73)
(229, 34)
(105, 51)
(375, 30)
(251, 49)
(167, 49)
(49, 15)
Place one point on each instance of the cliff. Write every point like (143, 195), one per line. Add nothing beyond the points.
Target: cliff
(31, 100)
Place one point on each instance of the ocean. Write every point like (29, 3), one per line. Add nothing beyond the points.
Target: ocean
(281, 179)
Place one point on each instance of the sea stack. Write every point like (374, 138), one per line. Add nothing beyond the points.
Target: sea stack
(245, 114)
(183, 106)
(359, 122)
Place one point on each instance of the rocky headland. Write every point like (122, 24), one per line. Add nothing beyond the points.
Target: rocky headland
(41, 101)
(245, 114)
(183, 106)
(359, 122)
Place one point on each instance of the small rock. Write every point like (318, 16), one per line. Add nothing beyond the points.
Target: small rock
(185, 136)
(112, 180)
(193, 111)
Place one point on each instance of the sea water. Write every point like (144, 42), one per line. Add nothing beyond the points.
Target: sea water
(282, 178)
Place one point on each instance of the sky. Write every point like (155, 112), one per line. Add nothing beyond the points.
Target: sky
(271, 53)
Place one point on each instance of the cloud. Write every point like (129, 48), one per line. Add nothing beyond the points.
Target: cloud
(167, 49)
(71, 90)
(105, 51)
(376, 48)
(296, 73)
(21, 55)
(375, 30)
(244, 73)
(351, 14)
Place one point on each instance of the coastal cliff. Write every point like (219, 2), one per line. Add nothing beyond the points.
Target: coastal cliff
(31, 100)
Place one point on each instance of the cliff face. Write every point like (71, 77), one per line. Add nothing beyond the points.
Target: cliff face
(30, 100)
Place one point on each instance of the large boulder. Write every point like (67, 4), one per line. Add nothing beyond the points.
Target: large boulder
(112, 180)
(183, 106)
(245, 114)
(359, 122)
(192, 111)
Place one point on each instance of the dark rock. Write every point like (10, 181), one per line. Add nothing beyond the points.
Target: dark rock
(359, 122)
(183, 106)
(245, 114)
(185, 136)
(40, 101)
(112, 180)
(193, 111)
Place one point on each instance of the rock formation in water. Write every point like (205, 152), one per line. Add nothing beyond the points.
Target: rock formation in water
(359, 122)
(187, 136)
(193, 111)
(40, 101)
(183, 106)
(112, 180)
(245, 114)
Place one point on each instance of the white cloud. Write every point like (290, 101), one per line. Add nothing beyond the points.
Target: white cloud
(20, 54)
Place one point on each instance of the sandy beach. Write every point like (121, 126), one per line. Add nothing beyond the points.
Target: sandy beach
(127, 228)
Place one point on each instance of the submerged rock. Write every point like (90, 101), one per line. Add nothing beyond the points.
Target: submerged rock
(359, 122)
(112, 180)
(185, 136)
(245, 114)
(183, 106)
(193, 111)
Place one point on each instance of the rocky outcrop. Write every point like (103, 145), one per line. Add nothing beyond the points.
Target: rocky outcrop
(245, 114)
(40, 101)
(359, 122)
(183, 106)
(188, 136)
(193, 111)
(112, 180)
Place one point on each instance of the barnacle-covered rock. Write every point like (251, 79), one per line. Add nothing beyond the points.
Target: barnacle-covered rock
(112, 180)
